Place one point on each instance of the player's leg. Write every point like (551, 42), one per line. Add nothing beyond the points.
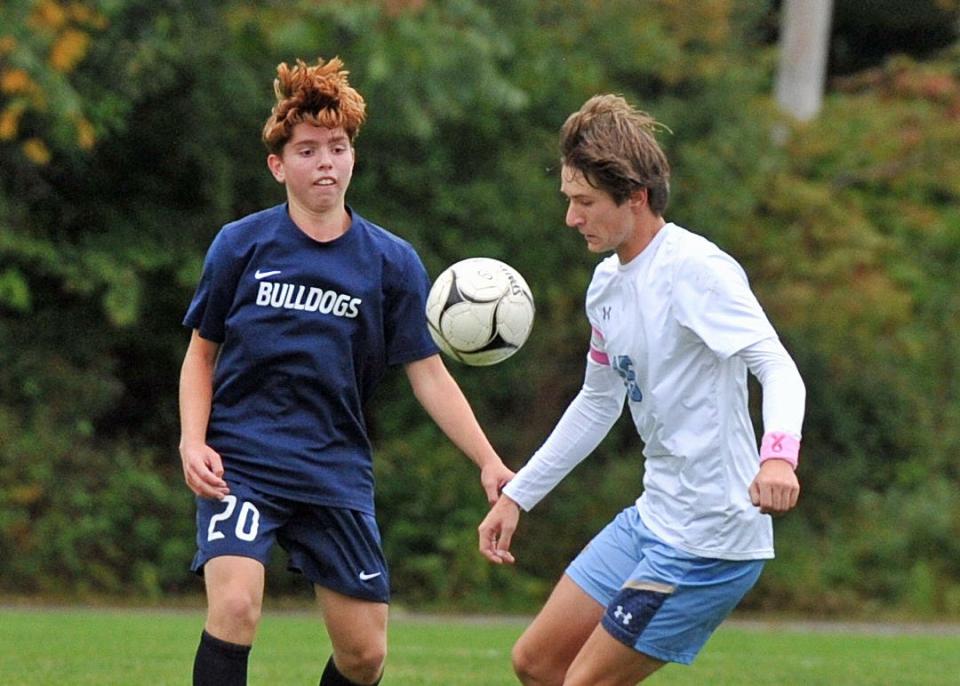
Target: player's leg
(339, 551)
(234, 537)
(665, 611)
(358, 632)
(545, 650)
(605, 661)
(234, 597)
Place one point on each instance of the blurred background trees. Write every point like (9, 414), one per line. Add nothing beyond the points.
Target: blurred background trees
(129, 133)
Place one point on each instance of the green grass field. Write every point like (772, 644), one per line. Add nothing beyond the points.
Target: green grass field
(105, 647)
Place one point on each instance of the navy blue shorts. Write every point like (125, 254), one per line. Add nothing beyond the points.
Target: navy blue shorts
(332, 547)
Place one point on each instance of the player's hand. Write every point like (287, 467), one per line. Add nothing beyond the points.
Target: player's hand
(775, 489)
(493, 478)
(496, 530)
(203, 471)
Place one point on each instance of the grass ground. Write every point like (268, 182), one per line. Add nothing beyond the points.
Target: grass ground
(108, 647)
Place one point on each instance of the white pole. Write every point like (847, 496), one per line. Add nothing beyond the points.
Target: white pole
(804, 43)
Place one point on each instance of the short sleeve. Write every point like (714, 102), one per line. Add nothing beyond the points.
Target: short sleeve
(712, 298)
(215, 293)
(407, 336)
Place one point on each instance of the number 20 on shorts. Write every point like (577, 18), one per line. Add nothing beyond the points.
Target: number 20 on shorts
(248, 520)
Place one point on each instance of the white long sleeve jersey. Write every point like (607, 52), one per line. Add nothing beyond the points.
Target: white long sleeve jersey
(675, 331)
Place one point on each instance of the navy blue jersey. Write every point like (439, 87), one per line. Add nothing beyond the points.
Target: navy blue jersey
(307, 330)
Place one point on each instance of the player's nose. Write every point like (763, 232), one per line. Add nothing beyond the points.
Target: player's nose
(323, 159)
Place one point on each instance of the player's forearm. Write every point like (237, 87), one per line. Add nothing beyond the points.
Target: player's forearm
(196, 397)
(456, 419)
(784, 394)
(784, 397)
(443, 400)
(580, 430)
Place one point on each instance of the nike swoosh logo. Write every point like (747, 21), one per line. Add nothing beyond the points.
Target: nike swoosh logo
(366, 577)
(262, 275)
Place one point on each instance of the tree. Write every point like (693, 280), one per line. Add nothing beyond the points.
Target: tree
(848, 232)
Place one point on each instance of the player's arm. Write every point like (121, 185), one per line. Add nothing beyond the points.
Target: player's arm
(775, 489)
(202, 466)
(440, 395)
(585, 423)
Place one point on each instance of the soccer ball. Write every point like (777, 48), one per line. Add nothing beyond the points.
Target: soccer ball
(480, 311)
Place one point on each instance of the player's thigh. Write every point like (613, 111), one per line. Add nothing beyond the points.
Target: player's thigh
(234, 597)
(356, 627)
(339, 550)
(561, 628)
(231, 575)
(605, 661)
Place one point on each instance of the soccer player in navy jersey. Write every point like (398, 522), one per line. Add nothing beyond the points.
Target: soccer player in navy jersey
(299, 312)
(675, 329)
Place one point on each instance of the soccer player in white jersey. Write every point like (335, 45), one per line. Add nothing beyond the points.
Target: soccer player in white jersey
(675, 329)
(300, 310)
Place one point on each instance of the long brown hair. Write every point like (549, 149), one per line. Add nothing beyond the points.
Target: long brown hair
(613, 145)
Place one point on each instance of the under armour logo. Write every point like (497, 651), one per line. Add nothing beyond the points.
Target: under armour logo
(605, 312)
(624, 617)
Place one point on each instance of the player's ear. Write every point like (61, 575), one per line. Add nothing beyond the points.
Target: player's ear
(275, 164)
(639, 198)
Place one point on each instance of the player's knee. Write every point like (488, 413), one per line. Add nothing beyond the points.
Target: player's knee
(362, 664)
(532, 668)
(238, 610)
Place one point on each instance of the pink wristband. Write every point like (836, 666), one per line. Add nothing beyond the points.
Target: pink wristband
(777, 445)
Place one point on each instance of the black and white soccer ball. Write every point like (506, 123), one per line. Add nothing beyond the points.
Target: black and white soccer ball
(480, 311)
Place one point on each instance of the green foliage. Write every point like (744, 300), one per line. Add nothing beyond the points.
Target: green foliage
(148, 130)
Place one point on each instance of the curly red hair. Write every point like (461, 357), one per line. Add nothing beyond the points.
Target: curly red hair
(318, 94)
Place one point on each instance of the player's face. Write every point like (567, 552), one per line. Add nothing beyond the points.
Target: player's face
(605, 225)
(316, 166)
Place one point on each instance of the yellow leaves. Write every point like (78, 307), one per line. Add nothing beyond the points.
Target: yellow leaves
(26, 494)
(67, 51)
(13, 81)
(36, 151)
(86, 136)
(48, 14)
(63, 21)
(54, 16)
(10, 121)
(18, 83)
(39, 56)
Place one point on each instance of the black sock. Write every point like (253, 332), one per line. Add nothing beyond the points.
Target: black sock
(219, 663)
(332, 677)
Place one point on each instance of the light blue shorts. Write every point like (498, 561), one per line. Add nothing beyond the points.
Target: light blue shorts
(659, 600)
